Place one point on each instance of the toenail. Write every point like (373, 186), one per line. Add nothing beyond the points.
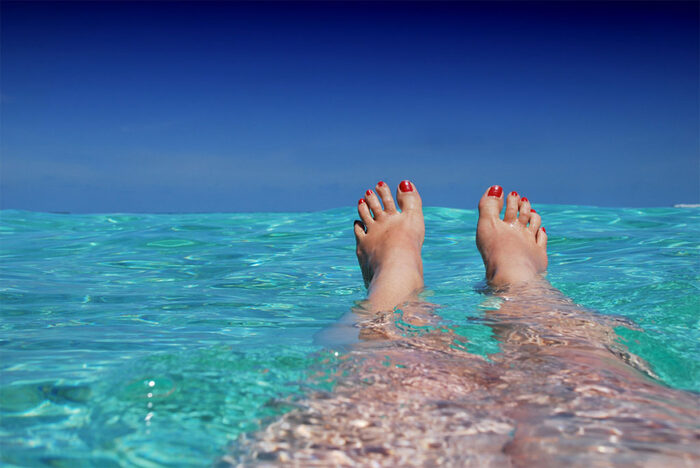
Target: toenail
(368, 193)
(532, 210)
(495, 191)
(524, 199)
(405, 186)
(544, 230)
(513, 194)
(360, 201)
(381, 183)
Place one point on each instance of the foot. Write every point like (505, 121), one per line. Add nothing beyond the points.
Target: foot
(389, 244)
(514, 249)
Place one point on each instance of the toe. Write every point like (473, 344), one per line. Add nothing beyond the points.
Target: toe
(385, 194)
(541, 238)
(535, 221)
(359, 229)
(363, 211)
(524, 214)
(512, 202)
(408, 197)
(373, 202)
(491, 202)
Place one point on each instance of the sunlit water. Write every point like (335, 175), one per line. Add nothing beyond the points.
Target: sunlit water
(148, 340)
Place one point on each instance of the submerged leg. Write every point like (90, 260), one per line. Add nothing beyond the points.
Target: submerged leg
(554, 396)
(571, 385)
(514, 251)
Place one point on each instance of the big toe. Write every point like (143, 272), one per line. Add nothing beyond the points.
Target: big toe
(491, 202)
(407, 196)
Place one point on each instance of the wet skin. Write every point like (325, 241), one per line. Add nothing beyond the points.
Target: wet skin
(562, 391)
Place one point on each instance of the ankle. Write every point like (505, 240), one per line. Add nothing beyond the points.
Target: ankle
(512, 275)
(394, 284)
(407, 274)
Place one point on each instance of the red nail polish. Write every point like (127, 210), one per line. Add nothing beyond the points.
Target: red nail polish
(524, 199)
(544, 230)
(360, 201)
(405, 186)
(495, 191)
(532, 210)
(381, 183)
(368, 193)
(514, 194)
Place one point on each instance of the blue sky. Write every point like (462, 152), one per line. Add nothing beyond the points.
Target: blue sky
(178, 107)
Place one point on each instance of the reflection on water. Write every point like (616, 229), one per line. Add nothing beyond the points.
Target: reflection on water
(561, 392)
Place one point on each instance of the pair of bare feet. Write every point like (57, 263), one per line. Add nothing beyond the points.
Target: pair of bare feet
(389, 242)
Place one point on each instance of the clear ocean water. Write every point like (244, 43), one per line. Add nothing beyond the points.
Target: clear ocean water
(156, 340)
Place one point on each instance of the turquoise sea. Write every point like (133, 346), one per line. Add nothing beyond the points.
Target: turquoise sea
(156, 340)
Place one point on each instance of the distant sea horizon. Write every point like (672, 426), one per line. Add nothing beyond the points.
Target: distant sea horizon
(559, 205)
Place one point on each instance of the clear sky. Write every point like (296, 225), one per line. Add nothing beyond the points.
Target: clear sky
(179, 107)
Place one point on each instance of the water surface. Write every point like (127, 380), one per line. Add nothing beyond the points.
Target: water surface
(147, 340)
